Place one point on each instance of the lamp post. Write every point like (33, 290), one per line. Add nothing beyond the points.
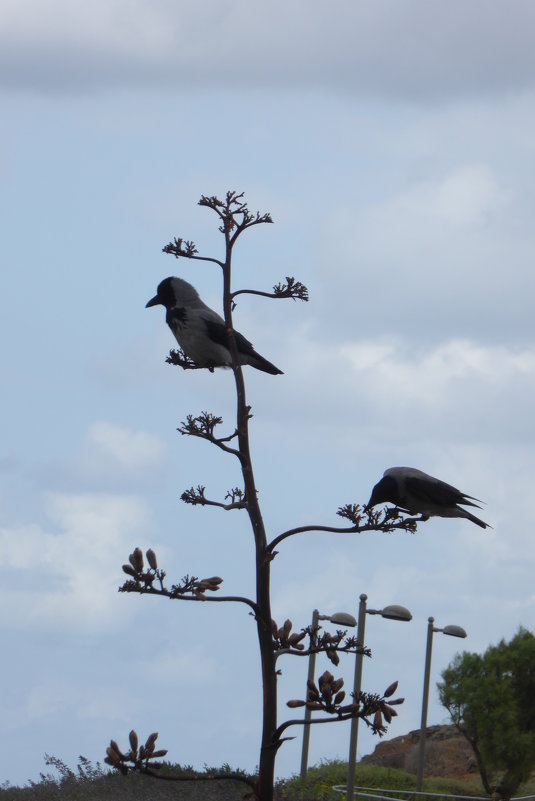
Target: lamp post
(344, 619)
(452, 631)
(393, 612)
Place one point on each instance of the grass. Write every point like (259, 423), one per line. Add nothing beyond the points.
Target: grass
(92, 782)
(322, 777)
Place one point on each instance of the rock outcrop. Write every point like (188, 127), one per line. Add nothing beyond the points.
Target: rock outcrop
(447, 753)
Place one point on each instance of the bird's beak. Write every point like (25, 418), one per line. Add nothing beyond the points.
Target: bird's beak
(153, 301)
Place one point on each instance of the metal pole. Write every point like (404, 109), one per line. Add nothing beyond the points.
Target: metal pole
(425, 699)
(357, 683)
(308, 712)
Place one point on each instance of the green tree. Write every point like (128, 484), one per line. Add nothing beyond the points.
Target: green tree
(491, 700)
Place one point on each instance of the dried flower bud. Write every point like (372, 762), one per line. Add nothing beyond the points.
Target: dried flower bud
(287, 627)
(151, 739)
(337, 685)
(151, 559)
(325, 678)
(129, 570)
(391, 689)
(294, 704)
(313, 705)
(136, 560)
(378, 720)
(115, 747)
(339, 697)
(333, 656)
(162, 752)
(133, 741)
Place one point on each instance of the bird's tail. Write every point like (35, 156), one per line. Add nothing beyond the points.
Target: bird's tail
(262, 364)
(475, 519)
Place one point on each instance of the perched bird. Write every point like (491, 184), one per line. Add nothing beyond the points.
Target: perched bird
(418, 493)
(200, 331)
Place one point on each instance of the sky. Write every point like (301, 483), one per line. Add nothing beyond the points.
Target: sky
(392, 142)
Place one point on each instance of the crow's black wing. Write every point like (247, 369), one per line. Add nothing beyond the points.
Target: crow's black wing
(218, 333)
(437, 492)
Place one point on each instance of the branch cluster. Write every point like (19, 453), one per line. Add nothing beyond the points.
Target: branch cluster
(330, 644)
(181, 247)
(179, 358)
(142, 580)
(140, 759)
(196, 497)
(204, 425)
(327, 696)
(387, 519)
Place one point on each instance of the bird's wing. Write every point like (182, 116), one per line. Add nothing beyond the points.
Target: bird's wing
(218, 333)
(436, 492)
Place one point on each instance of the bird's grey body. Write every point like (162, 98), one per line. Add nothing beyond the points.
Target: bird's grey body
(419, 493)
(200, 331)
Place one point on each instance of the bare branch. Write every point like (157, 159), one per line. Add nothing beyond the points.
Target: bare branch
(141, 760)
(291, 289)
(284, 642)
(327, 696)
(190, 588)
(390, 519)
(203, 426)
(196, 497)
(179, 358)
(182, 248)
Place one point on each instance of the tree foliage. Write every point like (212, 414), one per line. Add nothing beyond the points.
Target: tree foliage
(491, 699)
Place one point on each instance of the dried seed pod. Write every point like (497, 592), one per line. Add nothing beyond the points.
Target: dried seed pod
(115, 747)
(337, 685)
(294, 704)
(151, 739)
(287, 627)
(312, 705)
(378, 720)
(133, 741)
(339, 697)
(129, 570)
(392, 712)
(136, 559)
(151, 559)
(113, 757)
(391, 689)
(397, 701)
(333, 656)
(325, 678)
(162, 752)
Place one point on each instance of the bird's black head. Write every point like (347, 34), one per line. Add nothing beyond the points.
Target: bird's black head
(165, 294)
(385, 490)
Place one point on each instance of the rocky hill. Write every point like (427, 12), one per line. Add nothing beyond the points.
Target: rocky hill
(447, 753)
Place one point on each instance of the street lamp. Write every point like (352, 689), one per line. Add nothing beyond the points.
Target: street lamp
(344, 619)
(392, 612)
(452, 631)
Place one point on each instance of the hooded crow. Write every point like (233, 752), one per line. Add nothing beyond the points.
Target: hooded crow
(200, 331)
(418, 493)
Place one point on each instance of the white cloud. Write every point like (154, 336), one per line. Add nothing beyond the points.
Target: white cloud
(68, 577)
(373, 49)
(127, 449)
